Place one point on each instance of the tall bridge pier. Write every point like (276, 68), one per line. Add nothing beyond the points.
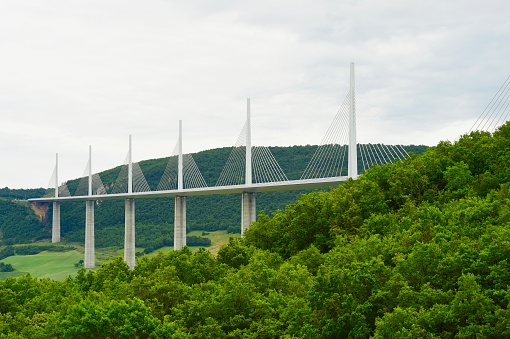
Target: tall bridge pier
(248, 210)
(129, 230)
(55, 225)
(180, 201)
(179, 223)
(248, 202)
(129, 234)
(90, 260)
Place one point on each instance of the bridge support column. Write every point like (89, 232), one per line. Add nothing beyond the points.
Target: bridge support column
(248, 211)
(179, 223)
(90, 261)
(129, 237)
(55, 228)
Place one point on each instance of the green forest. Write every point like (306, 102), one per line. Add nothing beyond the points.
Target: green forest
(415, 249)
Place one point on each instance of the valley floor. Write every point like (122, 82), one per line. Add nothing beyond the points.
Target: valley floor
(59, 265)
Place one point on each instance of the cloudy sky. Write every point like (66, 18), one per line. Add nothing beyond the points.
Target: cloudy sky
(80, 73)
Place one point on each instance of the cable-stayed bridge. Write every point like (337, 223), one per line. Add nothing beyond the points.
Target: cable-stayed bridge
(247, 171)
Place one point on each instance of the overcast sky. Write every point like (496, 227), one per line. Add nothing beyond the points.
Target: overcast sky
(80, 73)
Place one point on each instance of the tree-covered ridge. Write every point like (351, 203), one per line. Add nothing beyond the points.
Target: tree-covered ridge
(19, 224)
(417, 249)
(21, 194)
(154, 217)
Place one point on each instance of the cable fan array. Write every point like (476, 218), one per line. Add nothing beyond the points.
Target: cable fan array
(192, 178)
(331, 157)
(329, 160)
(63, 191)
(139, 182)
(265, 168)
(496, 112)
(83, 186)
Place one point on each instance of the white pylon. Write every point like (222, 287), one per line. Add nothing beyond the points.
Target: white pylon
(90, 171)
(180, 182)
(248, 180)
(353, 151)
(130, 167)
(56, 176)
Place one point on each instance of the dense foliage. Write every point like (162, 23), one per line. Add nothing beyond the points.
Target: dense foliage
(19, 224)
(6, 267)
(417, 249)
(21, 194)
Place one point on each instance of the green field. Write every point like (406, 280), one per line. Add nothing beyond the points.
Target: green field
(58, 265)
(54, 265)
(218, 239)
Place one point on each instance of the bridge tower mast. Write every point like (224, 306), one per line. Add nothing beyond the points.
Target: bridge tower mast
(353, 152)
(248, 144)
(248, 205)
(129, 230)
(55, 229)
(180, 201)
(90, 261)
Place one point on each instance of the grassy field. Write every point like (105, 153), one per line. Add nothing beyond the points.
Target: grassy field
(218, 239)
(54, 265)
(58, 265)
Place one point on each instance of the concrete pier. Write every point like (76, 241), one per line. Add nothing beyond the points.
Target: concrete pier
(90, 260)
(248, 211)
(129, 236)
(55, 225)
(180, 223)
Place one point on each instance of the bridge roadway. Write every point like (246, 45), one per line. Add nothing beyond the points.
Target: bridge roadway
(289, 185)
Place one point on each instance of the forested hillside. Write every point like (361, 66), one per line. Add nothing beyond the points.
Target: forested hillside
(154, 217)
(417, 249)
(19, 223)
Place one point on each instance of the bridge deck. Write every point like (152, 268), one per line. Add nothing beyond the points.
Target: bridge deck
(261, 187)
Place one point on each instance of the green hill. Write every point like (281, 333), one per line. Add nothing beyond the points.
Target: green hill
(154, 217)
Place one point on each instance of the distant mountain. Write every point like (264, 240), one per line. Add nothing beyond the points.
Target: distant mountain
(154, 217)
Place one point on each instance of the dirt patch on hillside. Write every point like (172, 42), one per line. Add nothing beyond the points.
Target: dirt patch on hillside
(41, 210)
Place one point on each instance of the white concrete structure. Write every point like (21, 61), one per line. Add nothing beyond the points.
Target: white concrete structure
(248, 200)
(180, 201)
(353, 147)
(55, 224)
(180, 223)
(129, 234)
(248, 210)
(90, 260)
(129, 221)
